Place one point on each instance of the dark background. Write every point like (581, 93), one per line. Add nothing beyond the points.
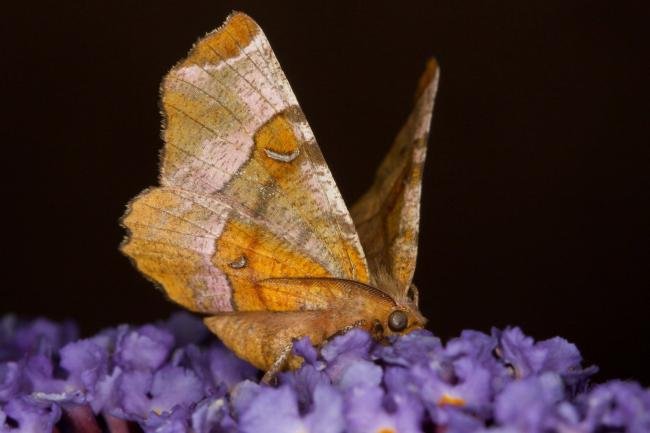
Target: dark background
(535, 202)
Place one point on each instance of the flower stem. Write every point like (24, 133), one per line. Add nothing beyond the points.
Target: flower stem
(116, 425)
(82, 419)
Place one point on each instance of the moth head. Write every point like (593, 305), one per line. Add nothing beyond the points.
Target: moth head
(392, 316)
(404, 316)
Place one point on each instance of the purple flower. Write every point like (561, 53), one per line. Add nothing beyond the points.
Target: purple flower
(560, 356)
(475, 345)
(340, 351)
(454, 419)
(327, 413)
(307, 351)
(345, 362)
(218, 368)
(243, 394)
(143, 393)
(276, 410)
(419, 346)
(369, 410)
(86, 362)
(43, 385)
(617, 406)
(106, 397)
(175, 421)
(519, 352)
(400, 380)
(213, 415)
(527, 357)
(10, 377)
(23, 416)
(531, 405)
(42, 336)
(146, 347)
(481, 348)
(304, 381)
(360, 373)
(463, 383)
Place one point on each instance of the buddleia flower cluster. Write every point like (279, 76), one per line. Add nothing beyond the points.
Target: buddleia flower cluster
(174, 377)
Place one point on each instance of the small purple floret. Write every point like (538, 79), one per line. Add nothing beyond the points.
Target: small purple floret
(144, 348)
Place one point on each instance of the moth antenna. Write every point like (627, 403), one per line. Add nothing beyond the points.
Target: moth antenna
(386, 282)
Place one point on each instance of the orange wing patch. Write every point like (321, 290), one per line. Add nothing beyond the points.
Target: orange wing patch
(227, 41)
(276, 140)
(249, 254)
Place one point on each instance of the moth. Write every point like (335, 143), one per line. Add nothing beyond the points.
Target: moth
(247, 225)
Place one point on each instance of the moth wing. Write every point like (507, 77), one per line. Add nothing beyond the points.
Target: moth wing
(387, 215)
(234, 127)
(242, 175)
(211, 256)
(261, 336)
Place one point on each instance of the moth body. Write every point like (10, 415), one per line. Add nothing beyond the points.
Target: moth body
(262, 336)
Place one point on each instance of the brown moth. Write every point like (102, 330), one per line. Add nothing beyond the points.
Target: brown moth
(247, 225)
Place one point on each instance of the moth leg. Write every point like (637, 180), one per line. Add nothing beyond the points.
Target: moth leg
(377, 330)
(278, 365)
(357, 324)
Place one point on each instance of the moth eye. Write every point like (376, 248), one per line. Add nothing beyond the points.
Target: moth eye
(397, 321)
